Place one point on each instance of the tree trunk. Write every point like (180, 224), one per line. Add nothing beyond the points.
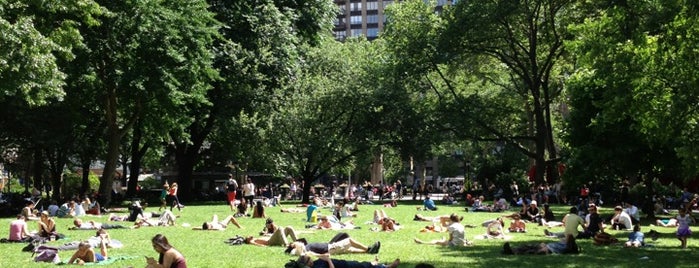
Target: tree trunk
(85, 163)
(37, 169)
(137, 153)
(107, 179)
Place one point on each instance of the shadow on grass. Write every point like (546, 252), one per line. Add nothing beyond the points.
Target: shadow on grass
(489, 255)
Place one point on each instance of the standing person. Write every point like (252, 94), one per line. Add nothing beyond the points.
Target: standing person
(163, 196)
(231, 188)
(293, 189)
(683, 231)
(249, 191)
(169, 257)
(172, 194)
(456, 234)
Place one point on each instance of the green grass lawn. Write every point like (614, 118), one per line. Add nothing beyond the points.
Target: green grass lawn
(207, 248)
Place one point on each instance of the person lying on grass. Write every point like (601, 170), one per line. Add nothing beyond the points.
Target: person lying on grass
(215, 224)
(276, 238)
(340, 244)
(85, 253)
(567, 247)
(324, 261)
(165, 219)
(79, 224)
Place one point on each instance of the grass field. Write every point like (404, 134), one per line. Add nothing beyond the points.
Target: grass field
(207, 248)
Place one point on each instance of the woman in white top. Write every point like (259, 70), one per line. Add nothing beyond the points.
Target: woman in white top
(457, 234)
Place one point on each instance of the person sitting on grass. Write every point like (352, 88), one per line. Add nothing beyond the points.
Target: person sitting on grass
(429, 203)
(47, 225)
(215, 224)
(495, 229)
(85, 254)
(621, 220)
(635, 238)
(242, 209)
(571, 221)
(517, 225)
(165, 219)
(19, 231)
(567, 247)
(28, 211)
(324, 261)
(259, 210)
(169, 256)
(456, 234)
(340, 244)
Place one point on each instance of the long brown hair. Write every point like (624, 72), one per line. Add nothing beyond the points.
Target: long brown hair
(161, 241)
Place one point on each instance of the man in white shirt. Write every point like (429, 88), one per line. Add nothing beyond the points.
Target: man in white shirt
(621, 220)
(633, 212)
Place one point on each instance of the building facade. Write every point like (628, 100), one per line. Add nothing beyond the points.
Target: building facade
(365, 17)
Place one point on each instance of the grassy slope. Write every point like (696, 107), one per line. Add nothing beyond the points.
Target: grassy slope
(206, 248)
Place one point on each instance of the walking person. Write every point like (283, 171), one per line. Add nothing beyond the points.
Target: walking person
(172, 194)
(232, 188)
(683, 231)
(163, 196)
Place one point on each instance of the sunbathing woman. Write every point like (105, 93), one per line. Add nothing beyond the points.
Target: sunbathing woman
(219, 225)
(86, 254)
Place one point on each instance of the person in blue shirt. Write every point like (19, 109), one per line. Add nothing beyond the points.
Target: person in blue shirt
(429, 203)
(635, 238)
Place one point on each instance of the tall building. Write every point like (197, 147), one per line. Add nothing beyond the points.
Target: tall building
(365, 17)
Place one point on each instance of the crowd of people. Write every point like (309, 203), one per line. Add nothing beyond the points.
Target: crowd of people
(576, 224)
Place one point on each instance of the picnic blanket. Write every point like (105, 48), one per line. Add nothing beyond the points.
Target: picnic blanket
(108, 261)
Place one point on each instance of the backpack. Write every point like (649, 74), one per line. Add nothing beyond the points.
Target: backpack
(46, 254)
(237, 240)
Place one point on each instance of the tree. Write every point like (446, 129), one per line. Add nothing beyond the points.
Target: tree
(475, 38)
(37, 44)
(148, 60)
(634, 93)
(258, 54)
(317, 123)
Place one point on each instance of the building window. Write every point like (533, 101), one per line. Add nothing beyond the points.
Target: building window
(356, 20)
(356, 6)
(372, 32)
(372, 5)
(340, 35)
(372, 19)
(356, 32)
